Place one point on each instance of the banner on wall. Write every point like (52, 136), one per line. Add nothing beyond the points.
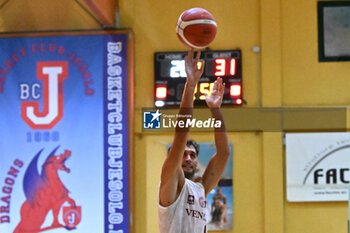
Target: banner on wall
(64, 132)
(317, 166)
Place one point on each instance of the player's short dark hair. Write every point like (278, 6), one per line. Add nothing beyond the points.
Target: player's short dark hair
(190, 142)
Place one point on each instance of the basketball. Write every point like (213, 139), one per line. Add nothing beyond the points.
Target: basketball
(196, 28)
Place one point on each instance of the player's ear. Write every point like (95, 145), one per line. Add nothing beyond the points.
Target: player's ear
(196, 155)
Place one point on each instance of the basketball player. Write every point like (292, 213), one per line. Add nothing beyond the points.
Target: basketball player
(182, 197)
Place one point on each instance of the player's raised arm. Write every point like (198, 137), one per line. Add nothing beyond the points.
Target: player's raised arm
(218, 162)
(172, 177)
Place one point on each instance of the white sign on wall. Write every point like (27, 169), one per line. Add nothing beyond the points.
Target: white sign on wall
(317, 166)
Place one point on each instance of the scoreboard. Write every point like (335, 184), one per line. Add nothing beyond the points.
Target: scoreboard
(170, 77)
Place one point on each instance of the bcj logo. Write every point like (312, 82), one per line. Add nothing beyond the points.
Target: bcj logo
(52, 75)
(151, 120)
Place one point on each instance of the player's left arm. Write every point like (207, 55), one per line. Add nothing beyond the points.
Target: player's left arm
(217, 163)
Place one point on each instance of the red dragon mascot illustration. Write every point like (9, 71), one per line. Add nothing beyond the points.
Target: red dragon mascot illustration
(44, 192)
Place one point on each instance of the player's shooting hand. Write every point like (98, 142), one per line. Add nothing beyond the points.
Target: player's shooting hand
(193, 70)
(215, 99)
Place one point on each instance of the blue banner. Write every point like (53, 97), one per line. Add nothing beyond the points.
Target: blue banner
(64, 133)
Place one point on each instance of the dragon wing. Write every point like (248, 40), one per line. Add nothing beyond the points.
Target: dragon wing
(32, 181)
(43, 175)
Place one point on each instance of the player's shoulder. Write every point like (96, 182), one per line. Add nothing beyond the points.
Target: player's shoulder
(198, 179)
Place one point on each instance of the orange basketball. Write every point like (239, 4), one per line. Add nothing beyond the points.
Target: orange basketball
(196, 28)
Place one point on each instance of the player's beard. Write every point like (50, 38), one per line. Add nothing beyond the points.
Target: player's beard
(189, 175)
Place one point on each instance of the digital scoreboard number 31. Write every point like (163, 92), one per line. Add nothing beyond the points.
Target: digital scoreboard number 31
(170, 77)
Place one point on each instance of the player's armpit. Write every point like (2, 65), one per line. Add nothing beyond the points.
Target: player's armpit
(170, 186)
